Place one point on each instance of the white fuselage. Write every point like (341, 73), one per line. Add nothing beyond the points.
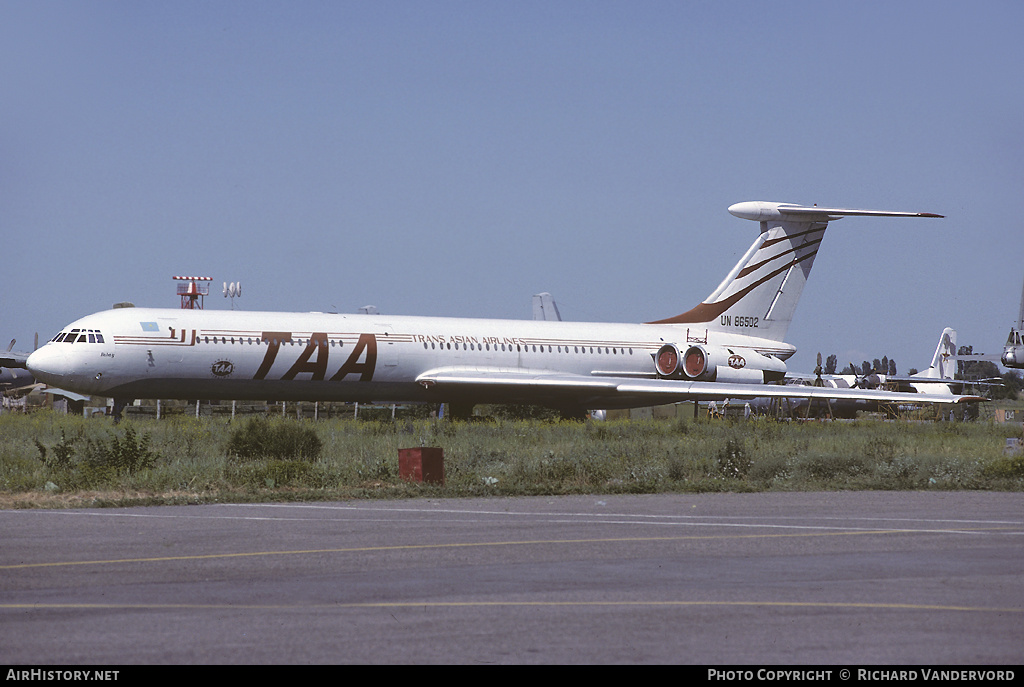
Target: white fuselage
(191, 354)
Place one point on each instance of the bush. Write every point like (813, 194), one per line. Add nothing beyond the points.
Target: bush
(733, 460)
(62, 453)
(285, 440)
(104, 461)
(1008, 467)
(825, 468)
(520, 411)
(766, 469)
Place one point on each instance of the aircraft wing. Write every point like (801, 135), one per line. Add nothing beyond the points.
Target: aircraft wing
(15, 382)
(70, 395)
(992, 358)
(904, 381)
(989, 381)
(610, 390)
(13, 359)
(18, 390)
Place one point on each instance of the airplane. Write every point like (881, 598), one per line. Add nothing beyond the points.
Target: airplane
(17, 381)
(940, 371)
(937, 379)
(731, 345)
(1013, 351)
(11, 358)
(936, 384)
(14, 378)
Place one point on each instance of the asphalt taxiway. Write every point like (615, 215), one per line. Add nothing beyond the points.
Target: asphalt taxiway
(714, 579)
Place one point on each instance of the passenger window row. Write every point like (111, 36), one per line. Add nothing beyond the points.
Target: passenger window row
(530, 348)
(256, 340)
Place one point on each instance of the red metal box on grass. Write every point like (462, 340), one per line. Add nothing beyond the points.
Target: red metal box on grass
(425, 464)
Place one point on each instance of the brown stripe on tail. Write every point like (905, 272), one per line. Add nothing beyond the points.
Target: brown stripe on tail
(709, 312)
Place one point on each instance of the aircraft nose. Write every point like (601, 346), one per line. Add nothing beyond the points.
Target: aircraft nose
(49, 364)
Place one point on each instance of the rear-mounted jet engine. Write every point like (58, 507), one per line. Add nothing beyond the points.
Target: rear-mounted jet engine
(710, 364)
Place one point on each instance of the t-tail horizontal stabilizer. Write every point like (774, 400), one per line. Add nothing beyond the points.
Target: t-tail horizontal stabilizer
(763, 211)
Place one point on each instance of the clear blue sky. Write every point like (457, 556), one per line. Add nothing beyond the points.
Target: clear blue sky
(454, 158)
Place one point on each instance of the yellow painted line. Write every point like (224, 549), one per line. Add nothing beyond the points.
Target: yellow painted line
(521, 604)
(412, 547)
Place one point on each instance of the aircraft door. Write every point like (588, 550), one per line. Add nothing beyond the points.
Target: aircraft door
(387, 352)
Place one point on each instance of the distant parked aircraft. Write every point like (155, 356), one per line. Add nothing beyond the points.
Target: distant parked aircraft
(1013, 352)
(544, 308)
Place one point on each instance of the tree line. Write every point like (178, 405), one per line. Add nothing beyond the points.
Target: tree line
(885, 366)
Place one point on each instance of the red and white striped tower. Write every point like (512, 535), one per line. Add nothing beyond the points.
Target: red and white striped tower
(192, 291)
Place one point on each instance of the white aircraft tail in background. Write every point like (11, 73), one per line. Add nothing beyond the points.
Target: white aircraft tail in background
(944, 360)
(544, 308)
(939, 379)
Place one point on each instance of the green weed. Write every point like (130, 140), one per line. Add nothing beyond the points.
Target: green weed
(188, 460)
(280, 439)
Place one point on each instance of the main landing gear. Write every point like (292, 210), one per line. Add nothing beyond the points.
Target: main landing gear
(118, 410)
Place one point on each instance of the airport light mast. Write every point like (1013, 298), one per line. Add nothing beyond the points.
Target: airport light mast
(192, 291)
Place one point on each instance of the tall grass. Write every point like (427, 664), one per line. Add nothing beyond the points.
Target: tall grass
(51, 459)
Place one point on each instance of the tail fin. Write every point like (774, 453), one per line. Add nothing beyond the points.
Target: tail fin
(943, 362)
(759, 295)
(544, 307)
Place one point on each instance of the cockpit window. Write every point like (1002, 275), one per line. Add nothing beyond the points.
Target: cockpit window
(79, 336)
